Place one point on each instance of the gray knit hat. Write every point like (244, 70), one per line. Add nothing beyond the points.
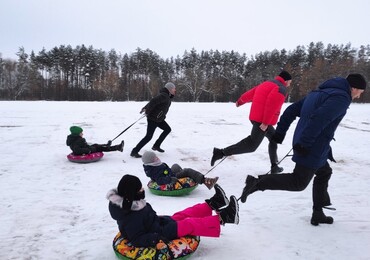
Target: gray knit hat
(169, 85)
(149, 157)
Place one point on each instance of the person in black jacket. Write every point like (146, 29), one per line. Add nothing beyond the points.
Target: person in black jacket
(79, 145)
(320, 113)
(156, 111)
(140, 224)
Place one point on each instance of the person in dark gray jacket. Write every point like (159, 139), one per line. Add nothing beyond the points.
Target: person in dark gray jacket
(156, 111)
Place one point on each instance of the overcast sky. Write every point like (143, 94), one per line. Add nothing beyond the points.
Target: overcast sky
(169, 27)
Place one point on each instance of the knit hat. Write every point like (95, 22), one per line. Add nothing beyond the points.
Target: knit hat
(129, 186)
(169, 85)
(149, 157)
(285, 75)
(75, 130)
(356, 80)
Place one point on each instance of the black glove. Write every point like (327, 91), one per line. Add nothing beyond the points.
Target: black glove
(301, 149)
(278, 138)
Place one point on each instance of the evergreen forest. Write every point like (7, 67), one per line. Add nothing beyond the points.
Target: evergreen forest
(83, 73)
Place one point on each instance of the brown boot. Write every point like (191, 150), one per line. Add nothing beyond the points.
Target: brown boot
(210, 182)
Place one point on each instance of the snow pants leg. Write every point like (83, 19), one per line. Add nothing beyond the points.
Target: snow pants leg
(320, 193)
(188, 172)
(197, 221)
(253, 141)
(166, 130)
(296, 181)
(149, 135)
(105, 148)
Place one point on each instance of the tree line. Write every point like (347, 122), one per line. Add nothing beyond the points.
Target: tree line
(87, 74)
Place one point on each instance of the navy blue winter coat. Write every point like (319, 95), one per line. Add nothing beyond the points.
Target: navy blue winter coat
(161, 174)
(143, 228)
(320, 113)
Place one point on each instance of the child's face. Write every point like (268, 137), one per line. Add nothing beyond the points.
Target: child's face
(81, 134)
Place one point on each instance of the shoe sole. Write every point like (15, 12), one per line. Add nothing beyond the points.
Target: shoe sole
(233, 198)
(218, 187)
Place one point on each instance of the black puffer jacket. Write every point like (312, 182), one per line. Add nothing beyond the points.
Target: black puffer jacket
(144, 227)
(78, 145)
(157, 108)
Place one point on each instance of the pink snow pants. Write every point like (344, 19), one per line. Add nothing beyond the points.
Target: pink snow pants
(197, 221)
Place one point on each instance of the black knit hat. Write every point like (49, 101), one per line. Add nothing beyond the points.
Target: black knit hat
(129, 186)
(285, 75)
(356, 80)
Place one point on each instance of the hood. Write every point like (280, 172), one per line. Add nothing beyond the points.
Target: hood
(336, 84)
(114, 198)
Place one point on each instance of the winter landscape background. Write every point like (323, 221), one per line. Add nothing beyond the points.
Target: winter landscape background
(54, 209)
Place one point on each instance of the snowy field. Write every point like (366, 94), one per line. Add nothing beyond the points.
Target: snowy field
(51, 208)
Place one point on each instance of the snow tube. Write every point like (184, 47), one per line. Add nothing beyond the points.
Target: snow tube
(183, 187)
(86, 158)
(179, 248)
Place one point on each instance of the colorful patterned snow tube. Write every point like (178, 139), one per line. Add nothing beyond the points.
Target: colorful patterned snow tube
(86, 158)
(180, 248)
(183, 187)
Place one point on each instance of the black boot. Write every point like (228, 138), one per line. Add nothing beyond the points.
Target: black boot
(157, 148)
(276, 169)
(135, 154)
(217, 155)
(120, 146)
(250, 187)
(318, 217)
(219, 200)
(230, 214)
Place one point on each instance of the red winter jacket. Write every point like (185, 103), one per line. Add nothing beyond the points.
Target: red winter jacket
(267, 100)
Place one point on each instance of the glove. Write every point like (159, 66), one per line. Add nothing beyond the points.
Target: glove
(143, 110)
(301, 149)
(174, 180)
(278, 138)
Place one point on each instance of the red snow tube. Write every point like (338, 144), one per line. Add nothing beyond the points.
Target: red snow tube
(86, 158)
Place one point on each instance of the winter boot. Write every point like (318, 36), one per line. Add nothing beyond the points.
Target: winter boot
(157, 148)
(217, 155)
(230, 214)
(120, 147)
(210, 182)
(250, 187)
(135, 154)
(318, 217)
(219, 200)
(276, 169)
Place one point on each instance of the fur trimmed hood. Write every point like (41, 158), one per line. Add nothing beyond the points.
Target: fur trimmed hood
(114, 198)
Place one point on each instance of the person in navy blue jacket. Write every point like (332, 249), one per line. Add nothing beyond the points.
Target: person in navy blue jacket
(140, 224)
(320, 113)
(162, 174)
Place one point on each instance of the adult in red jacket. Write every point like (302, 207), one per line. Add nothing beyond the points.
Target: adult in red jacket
(267, 100)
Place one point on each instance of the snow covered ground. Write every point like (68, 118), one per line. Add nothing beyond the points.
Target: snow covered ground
(51, 208)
